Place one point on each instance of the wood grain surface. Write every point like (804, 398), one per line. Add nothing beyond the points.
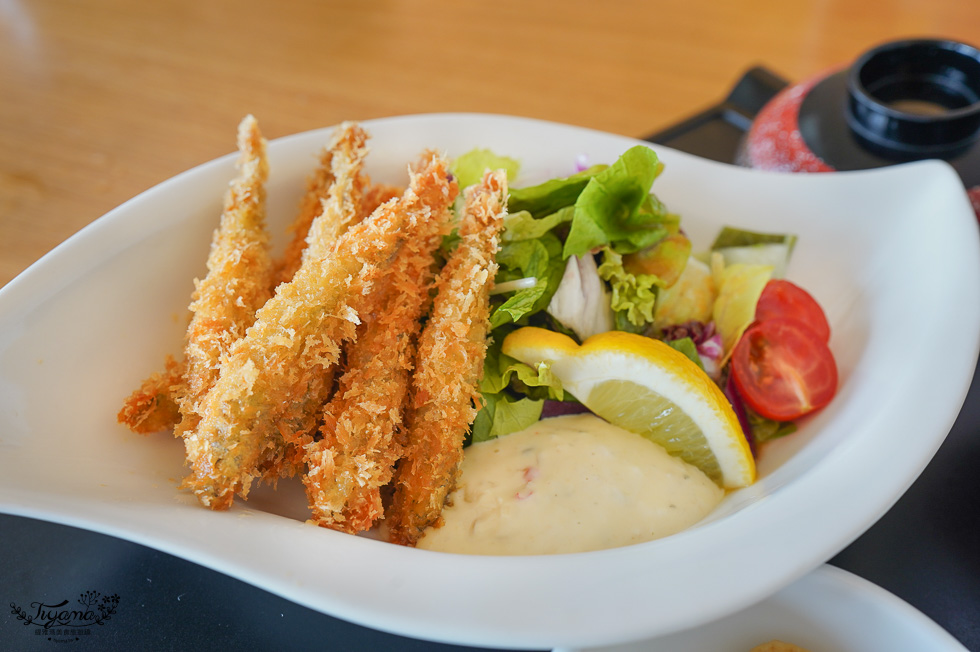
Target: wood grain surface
(102, 99)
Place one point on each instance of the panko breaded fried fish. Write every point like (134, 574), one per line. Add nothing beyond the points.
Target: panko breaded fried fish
(375, 195)
(317, 187)
(340, 209)
(451, 352)
(356, 455)
(262, 399)
(153, 407)
(348, 141)
(237, 283)
(347, 146)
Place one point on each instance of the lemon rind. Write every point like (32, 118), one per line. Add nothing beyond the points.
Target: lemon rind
(638, 359)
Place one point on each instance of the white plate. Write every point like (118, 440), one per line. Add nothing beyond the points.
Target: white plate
(829, 609)
(892, 255)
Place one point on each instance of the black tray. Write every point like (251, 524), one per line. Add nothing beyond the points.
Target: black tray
(716, 133)
(926, 549)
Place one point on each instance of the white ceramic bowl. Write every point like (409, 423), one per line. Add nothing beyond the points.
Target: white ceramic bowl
(829, 609)
(892, 255)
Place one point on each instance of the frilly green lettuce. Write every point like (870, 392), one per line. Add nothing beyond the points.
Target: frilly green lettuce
(608, 208)
(633, 296)
(616, 208)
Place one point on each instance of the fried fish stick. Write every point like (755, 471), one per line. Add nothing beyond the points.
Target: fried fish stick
(356, 455)
(451, 351)
(377, 194)
(153, 407)
(263, 399)
(224, 302)
(341, 209)
(347, 143)
(238, 280)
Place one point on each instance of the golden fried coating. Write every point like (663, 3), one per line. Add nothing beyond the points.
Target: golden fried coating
(449, 365)
(317, 187)
(347, 147)
(342, 208)
(375, 195)
(270, 389)
(238, 280)
(153, 407)
(348, 144)
(239, 272)
(356, 455)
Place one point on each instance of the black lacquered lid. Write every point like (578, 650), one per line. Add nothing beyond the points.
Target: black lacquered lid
(916, 98)
(901, 101)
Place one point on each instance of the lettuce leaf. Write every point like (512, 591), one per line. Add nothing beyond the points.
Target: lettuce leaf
(501, 371)
(513, 394)
(550, 196)
(469, 167)
(607, 208)
(616, 208)
(604, 205)
(502, 415)
(522, 225)
(764, 429)
(633, 296)
(539, 258)
(687, 346)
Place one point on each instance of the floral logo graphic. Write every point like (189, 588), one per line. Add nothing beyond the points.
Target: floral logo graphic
(60, 619)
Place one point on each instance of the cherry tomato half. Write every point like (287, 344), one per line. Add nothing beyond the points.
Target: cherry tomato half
(780, 298)
(783, 370)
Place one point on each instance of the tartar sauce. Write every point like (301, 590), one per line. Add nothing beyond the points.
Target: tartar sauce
(569, 484)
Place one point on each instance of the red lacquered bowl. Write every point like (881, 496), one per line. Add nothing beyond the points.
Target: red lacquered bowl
(902, 101)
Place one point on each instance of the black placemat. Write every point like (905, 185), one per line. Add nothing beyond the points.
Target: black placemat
(164, 603)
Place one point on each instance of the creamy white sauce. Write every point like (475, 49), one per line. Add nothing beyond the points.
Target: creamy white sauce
(569, 484)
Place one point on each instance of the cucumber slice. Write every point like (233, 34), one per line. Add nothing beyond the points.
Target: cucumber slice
(755, 248)
(774, 255)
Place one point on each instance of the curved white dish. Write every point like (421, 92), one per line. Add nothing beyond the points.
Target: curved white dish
(892, 255)
(829, 609)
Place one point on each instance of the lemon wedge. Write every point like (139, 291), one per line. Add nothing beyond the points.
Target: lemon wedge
(645, 386)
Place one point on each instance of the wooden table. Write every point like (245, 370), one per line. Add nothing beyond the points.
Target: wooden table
(100, 100)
